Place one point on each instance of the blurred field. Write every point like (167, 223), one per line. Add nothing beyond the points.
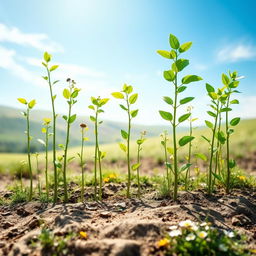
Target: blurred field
(243, 141)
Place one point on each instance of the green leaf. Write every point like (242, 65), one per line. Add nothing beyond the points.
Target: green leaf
(181, 89)
(235, 121)
(209, 88)
(168, 100)
(225, 109)
(184, 47)
(45, 77)
(185, 139)
(22, 100)
(124, 134)
(232, 163)
(234, 101)
(93, 119)
(164, 54)
(191, 78)
(127, 88)
(209, 124)
(53, 67)
(66, 93)
(221, 137)
(180, 64)
(225, 79)
(201, 156)
(123, 107)
(91, 107)
(184, 167)
(174, 42)
(123, 147)
(233, 84)
(72, 119)
(134, 113)
(184, 117)
(218, 177)
(213, 95)
(165, 115)
(65, 117)
(205, 138)
(103, 102)
(133, 98)
(32, 103)
(74, 94)
(136, 166)
(47, 57)
(170, 150)
(169, 75)
(210, 113)
(117, 95)
(186, 100)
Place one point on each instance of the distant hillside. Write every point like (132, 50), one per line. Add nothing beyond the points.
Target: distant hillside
(13, 125)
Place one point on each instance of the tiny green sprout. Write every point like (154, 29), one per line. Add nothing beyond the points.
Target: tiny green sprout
(45, 130)
(29, 105)
(171, 76)
(164, 140)
(129, 99)
(84, 128)
(70, 94)
(97, 104)
(191, 120)
(230, 83)
(49, 69)
(137, 166)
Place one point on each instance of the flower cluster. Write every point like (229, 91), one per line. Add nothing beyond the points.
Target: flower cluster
(193, 238)
(110, 178)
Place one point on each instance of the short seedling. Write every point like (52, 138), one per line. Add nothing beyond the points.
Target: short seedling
(45, 63)
(129, 99)
(81, 156)
(26, 113)
(172, 76)
(136, 166)
(96, 106)
(70, 95)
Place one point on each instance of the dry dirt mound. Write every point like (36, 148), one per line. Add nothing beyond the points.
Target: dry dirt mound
(121, 226)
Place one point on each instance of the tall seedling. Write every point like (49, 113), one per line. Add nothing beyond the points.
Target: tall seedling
(217, 99)
(45, 63)
(172, 76)
(231, 83)
(129, 100)
(97, 104)
(26, 113)
(81, 156)
(70, 95)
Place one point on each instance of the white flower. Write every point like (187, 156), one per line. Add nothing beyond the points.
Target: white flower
(230, 234)
(223, 247)
(173, 227)
(194, 227)
(186, 223)
(202, 234)
(175, 233)
(190, 237)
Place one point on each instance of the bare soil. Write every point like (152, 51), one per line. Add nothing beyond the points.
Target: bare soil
(120, 226)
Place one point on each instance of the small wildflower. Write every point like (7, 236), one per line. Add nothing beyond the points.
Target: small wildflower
(173, 227)
(106, 180)
(186, 223)
(190, 237)
(202, 234)
(175, 233)
(46, 121)
(241, 177)
(163, 242)
(83, 234)
(223, 247)
(230, 234)
(112, 176)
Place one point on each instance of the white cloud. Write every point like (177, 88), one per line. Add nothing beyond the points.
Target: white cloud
(234, 53)
(35, 40)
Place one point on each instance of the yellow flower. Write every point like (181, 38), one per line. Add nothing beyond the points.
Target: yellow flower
(241, 177)
(47, 121)
(106, 180)
(202, 234)
(83, 234)
(253, 251)
(163, 242)
(112, 176)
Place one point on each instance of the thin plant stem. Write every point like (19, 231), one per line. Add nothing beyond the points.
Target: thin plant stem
(82, 165)
(128, 148)
(46, 161)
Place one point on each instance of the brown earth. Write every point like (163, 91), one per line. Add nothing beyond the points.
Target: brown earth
(120, 226)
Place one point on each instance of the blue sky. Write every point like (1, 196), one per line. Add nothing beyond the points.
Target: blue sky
(103, 44)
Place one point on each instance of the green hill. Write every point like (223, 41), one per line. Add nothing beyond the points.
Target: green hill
(13, 125)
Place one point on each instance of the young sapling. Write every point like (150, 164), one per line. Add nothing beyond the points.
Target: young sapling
(70, 95)
(45, 63)
(97, 104)
(129, 100)
(29, 106)
(172, 76)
